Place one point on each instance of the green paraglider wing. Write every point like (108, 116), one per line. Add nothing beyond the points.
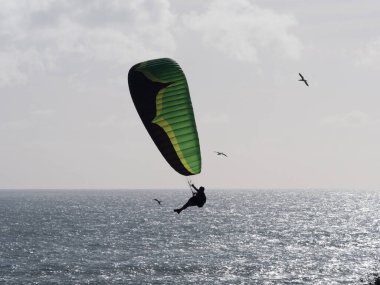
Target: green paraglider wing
(161, 96)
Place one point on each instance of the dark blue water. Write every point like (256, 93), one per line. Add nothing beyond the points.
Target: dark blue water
(239, 237)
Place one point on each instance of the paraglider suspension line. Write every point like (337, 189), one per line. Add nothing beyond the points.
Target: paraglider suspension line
(191, 189)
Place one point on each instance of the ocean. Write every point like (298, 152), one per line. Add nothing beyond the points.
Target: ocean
(238, 237)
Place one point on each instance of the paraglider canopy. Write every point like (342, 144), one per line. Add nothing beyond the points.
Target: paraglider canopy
(161, 96)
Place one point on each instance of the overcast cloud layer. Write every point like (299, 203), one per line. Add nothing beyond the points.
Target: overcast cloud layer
(67, 120)
(41, 36)
(241, 29)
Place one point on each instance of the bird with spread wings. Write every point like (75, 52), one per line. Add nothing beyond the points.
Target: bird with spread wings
(158, 201)
(303, 79)
(220, 153)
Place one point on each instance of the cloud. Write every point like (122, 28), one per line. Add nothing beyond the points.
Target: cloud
(114, 121)
(369, 55)
(214, 119)
(351, 119)
(42, 112)
(243, 30)
(46, 35)
(16, 125)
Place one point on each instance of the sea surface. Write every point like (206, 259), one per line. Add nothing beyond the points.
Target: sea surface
(238, 237)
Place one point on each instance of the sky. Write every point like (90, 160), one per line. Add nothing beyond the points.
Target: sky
(67, 119)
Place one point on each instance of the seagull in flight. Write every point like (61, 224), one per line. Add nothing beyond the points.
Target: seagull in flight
(303, 79)
(220, 153)
(158, 201)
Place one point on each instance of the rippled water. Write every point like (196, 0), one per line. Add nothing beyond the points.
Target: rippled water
(239, 237)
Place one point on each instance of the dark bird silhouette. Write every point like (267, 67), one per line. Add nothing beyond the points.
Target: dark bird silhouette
(220, 153)
(303, 79)
(158, 201)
